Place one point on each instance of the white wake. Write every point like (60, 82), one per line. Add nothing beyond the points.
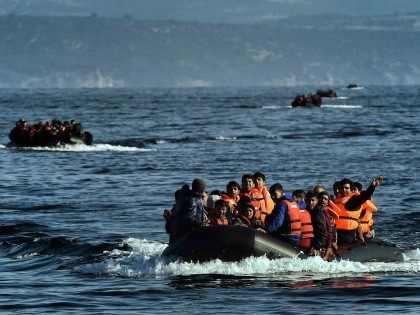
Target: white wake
(145, 260)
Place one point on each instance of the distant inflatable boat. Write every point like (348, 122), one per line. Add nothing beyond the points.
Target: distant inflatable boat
(234, 243)
(310, 100)
(48, 134)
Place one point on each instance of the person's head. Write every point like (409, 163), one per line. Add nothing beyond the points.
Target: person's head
(211, 200)
(246, 208)
(276, 191)
(182, 191)
(318, 188)
(221, 207)
(233, 188)
(311, 200)
(259, 179)
(198, 185)
(216, 192)
(204, 198)
(336, 186)
(299, 195)
(323, 198)
(344, 187)
(248, 182)
(356, 187)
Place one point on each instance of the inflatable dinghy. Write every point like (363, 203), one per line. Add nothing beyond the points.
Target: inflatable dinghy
(49, 134)
(234, 243)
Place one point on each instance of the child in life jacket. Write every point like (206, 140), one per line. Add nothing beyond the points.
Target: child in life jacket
(211, 204)
(221, 209)
(246, 217)
(232, 195)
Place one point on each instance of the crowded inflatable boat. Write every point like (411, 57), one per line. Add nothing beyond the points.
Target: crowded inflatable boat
(249, 219)
(48, 134)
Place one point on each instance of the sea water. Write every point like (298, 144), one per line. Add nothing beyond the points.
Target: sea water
(82, 230)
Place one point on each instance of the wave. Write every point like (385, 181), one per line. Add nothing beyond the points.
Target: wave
(28, 239)
(341, 106)
(145, 260)
(100, 147)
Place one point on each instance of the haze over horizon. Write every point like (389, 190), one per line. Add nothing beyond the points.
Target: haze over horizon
(220, 11)
(164, 43)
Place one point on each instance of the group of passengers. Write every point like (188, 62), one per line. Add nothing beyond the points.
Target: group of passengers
(314, 221)
(49, 133)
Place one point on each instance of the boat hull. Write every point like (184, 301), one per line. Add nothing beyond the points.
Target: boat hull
(234, 243)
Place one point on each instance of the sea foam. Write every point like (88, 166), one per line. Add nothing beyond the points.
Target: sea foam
(86, 148)
(145, 260)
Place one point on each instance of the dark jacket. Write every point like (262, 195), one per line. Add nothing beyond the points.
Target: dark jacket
(278, 222)
(189, 214)
(245, 222)
(355, 202)
(322, 228)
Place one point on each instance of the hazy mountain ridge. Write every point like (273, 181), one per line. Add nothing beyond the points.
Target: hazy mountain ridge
(226, 11)
(101, 52)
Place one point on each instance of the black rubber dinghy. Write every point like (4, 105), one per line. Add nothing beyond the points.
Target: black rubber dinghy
(233, 243)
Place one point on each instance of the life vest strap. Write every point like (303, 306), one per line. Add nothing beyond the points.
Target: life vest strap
(348, 218)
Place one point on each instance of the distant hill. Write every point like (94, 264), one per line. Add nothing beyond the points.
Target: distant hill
(103, 52)
(217, 11)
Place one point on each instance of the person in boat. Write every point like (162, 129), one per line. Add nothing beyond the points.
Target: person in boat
(190, 212)
(257, 199)
(260, 185)
(350, 208)
(331, 214)
(210, 207)
(232, 194)
(284, 221)
(169, 215)
(365, 230)
(322, 242)
(336, 190)
(221, 209)
(76, 128)
(246, 215)
(318, 188)
(307, 230)
(299, 197)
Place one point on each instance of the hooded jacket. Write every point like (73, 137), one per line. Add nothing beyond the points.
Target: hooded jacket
(278, 222)
(189, 213)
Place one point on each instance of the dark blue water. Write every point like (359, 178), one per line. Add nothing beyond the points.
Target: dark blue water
(81, 228)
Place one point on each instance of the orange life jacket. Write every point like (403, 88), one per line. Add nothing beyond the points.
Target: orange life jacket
(366, 220)
(348, 220)
(268, 202)
(257, 200)
(307, 229)
(294, 217)
(220, 221)
(232, 201)
(333, 209)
